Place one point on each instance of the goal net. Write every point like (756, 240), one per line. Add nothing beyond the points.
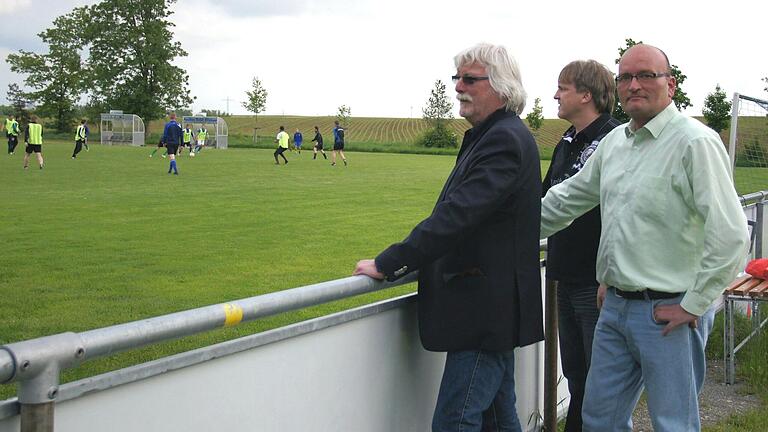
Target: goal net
(748, 144)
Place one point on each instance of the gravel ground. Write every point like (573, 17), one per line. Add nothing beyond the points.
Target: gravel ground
(717, 400)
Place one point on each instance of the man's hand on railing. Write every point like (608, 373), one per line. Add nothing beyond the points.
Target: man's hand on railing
(368, 267)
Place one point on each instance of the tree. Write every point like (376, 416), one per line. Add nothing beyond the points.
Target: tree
(257, 97)
(131, 51)
(436, 113)
(439, 106)
(680, 98)
(343, 114)
(717, 110)
(19, 104)
(55, 77)
(535, 118)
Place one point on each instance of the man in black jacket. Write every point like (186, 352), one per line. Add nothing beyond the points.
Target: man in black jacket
(478, 252)
(585, 95)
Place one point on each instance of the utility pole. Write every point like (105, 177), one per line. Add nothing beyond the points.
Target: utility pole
(228, 99)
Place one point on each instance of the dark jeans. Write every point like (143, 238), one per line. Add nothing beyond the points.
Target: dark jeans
(477, 393)
(78, 147)
(13, 140)
(577, 317)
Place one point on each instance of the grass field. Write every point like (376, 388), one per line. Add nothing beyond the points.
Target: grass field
(111, 238)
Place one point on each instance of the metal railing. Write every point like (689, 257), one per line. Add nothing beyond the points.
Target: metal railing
(729, 301)
(36, 364)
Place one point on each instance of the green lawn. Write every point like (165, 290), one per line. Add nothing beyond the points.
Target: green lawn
(111, 238)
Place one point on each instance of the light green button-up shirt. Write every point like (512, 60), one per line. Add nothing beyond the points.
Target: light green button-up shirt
(671, 218)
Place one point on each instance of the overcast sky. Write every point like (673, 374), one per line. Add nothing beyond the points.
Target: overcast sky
(382, 58)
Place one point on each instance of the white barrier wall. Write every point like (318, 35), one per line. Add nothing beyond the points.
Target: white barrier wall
(358, 370)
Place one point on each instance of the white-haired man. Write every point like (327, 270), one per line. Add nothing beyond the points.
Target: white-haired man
(478, 252)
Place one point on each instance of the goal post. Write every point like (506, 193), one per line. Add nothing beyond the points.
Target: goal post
(748, 143)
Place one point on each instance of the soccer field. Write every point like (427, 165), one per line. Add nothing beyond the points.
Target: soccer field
(110, 237)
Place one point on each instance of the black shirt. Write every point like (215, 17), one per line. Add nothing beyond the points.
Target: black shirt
(572, 252)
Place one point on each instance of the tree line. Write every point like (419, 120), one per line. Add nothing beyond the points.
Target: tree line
(116, 53)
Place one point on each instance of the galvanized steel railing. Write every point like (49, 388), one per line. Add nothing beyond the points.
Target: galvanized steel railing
(37, 363)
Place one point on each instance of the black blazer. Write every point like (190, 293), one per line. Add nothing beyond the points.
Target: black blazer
(478, 252)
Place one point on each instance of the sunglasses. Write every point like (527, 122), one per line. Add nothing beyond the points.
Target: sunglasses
(468, 79)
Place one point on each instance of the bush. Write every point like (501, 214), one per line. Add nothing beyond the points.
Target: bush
(439, 136)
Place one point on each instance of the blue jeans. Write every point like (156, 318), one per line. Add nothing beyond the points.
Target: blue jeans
(477, 393)
(629, 352)
(577, 316)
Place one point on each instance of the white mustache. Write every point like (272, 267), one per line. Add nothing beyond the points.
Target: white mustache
(464, 97)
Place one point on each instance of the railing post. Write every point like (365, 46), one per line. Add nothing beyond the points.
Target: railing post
(37, 417)
(550, 357)
(760, 214)
(37, 364)
(728, 335)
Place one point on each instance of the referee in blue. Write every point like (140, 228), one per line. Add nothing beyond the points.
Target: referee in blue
(172, 136)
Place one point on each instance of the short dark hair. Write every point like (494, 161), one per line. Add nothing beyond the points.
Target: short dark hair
(282, 128)
(593, 77)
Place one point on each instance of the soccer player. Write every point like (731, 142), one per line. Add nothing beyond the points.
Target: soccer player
(188, 138)
(298, 138)
(159, 146)
(81, 137)
(318, 140)
(282, 145)
(33, 137)
(12, 133)
(202, 134)
(338, 144)
(172, 136)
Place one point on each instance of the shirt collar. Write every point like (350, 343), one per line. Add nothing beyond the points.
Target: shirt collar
(592, 131)
(657, 124)
(485, 124)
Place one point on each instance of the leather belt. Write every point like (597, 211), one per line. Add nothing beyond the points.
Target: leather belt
(647, 294)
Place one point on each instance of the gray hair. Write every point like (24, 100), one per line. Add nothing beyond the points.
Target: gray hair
(503, 72)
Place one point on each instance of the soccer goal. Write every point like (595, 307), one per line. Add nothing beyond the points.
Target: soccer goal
(748, 143)
(218, 132)
(119, 128)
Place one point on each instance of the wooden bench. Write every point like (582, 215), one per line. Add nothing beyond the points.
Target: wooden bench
(744, 289)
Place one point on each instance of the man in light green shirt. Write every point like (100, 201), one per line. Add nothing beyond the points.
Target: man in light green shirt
(673, 236)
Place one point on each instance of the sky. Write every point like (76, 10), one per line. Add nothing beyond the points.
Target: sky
(382, 58)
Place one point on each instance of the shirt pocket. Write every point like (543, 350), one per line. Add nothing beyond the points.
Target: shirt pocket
(651, 198)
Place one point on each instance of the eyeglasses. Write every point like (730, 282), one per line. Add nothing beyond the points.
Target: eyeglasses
(468, 79)
(642, 77)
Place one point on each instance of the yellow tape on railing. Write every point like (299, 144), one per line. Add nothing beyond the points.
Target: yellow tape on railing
(233, 314)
